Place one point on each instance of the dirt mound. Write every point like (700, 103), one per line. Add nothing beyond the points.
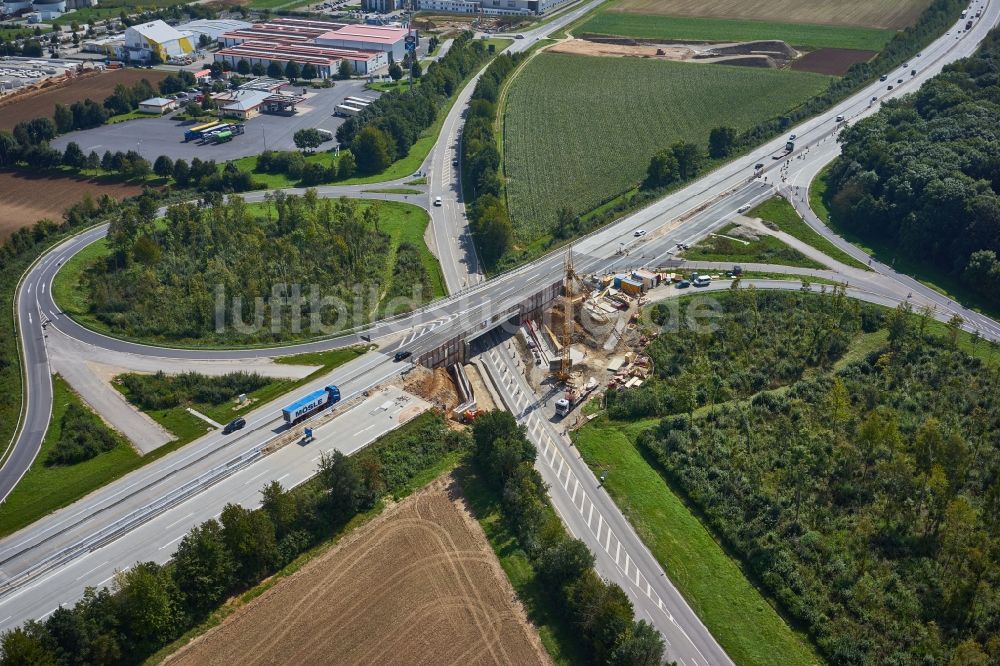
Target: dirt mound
(418, 585)
(435, 386)
(764, 53)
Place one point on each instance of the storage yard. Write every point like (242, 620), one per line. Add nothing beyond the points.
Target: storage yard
(41, 101)
(419, 584)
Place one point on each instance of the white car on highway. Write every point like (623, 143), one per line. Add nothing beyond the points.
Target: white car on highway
(639, 232)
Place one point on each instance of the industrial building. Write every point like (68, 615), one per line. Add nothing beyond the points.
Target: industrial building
(112, 47)
(309, 42)
(360, 37)
(46, 9)
(382, 6)
(211, 29)
(261, 95)
(142, 40)
(491, 7)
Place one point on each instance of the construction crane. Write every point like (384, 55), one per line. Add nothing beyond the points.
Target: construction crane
(566, 339)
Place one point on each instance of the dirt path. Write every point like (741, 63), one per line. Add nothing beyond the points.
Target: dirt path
(418, 585)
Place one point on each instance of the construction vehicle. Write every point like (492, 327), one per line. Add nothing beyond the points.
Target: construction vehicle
(573, 397)
(469, 415)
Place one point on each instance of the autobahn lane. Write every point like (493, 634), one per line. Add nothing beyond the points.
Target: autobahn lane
(592, 516)
(352, 428)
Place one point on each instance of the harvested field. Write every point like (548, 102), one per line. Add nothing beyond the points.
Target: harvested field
(418, 585)
(26, 198)
(606, 49)
(888, 14)
(832, 61)
(42, 101)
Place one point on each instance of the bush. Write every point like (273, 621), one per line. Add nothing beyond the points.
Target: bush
(162, 391)
(82, 436)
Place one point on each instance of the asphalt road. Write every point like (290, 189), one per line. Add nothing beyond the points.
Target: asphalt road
(680, 217)
(354, 427)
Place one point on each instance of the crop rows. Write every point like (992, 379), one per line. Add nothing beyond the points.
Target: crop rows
(580, 130)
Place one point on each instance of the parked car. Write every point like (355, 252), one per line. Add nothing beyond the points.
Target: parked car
(234, 425)
(401, 356)
(683, 284)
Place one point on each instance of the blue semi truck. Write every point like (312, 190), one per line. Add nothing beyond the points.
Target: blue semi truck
(310, 404)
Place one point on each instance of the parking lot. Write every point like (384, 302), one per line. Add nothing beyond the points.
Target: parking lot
(153, 137)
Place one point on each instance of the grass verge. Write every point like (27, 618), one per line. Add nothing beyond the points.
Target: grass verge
(745, 624)
(763, 250)
(780, 212)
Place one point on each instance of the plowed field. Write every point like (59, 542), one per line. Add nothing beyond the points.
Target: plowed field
(419, 585)
(42, 102)
(26, 198)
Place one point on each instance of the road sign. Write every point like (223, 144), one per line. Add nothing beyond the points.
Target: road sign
(410, 46)
(411, 39)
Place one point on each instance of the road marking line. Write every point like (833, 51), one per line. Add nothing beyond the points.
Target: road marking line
(591, 514)
(636, 574)
(184, 518)
(607, 541)
(171, 542)
(282, 477)
(576, 489)
(618, 552)
(252, 479)
(559, 471)
(92, 570)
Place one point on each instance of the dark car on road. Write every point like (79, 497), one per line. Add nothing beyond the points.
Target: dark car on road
(234, 425)
(401, 355)
(683, 284)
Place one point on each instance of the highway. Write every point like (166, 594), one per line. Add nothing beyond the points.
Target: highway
(681, 217)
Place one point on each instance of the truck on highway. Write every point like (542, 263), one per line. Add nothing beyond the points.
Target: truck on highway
(790, 146)
(311, 403)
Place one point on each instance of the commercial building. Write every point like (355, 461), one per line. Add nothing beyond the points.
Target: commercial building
(157, 105)
(359, 37)
(258, 96)
(145, 39)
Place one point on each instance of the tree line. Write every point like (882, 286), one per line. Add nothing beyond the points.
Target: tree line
(384, 131)
(149, 605)
(921, 176)
(601, 611)
(481, 179)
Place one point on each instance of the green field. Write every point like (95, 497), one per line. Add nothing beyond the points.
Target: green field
(112, 9)
(739, 617)
(580, 130)
(721, 246)
(648, 26)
